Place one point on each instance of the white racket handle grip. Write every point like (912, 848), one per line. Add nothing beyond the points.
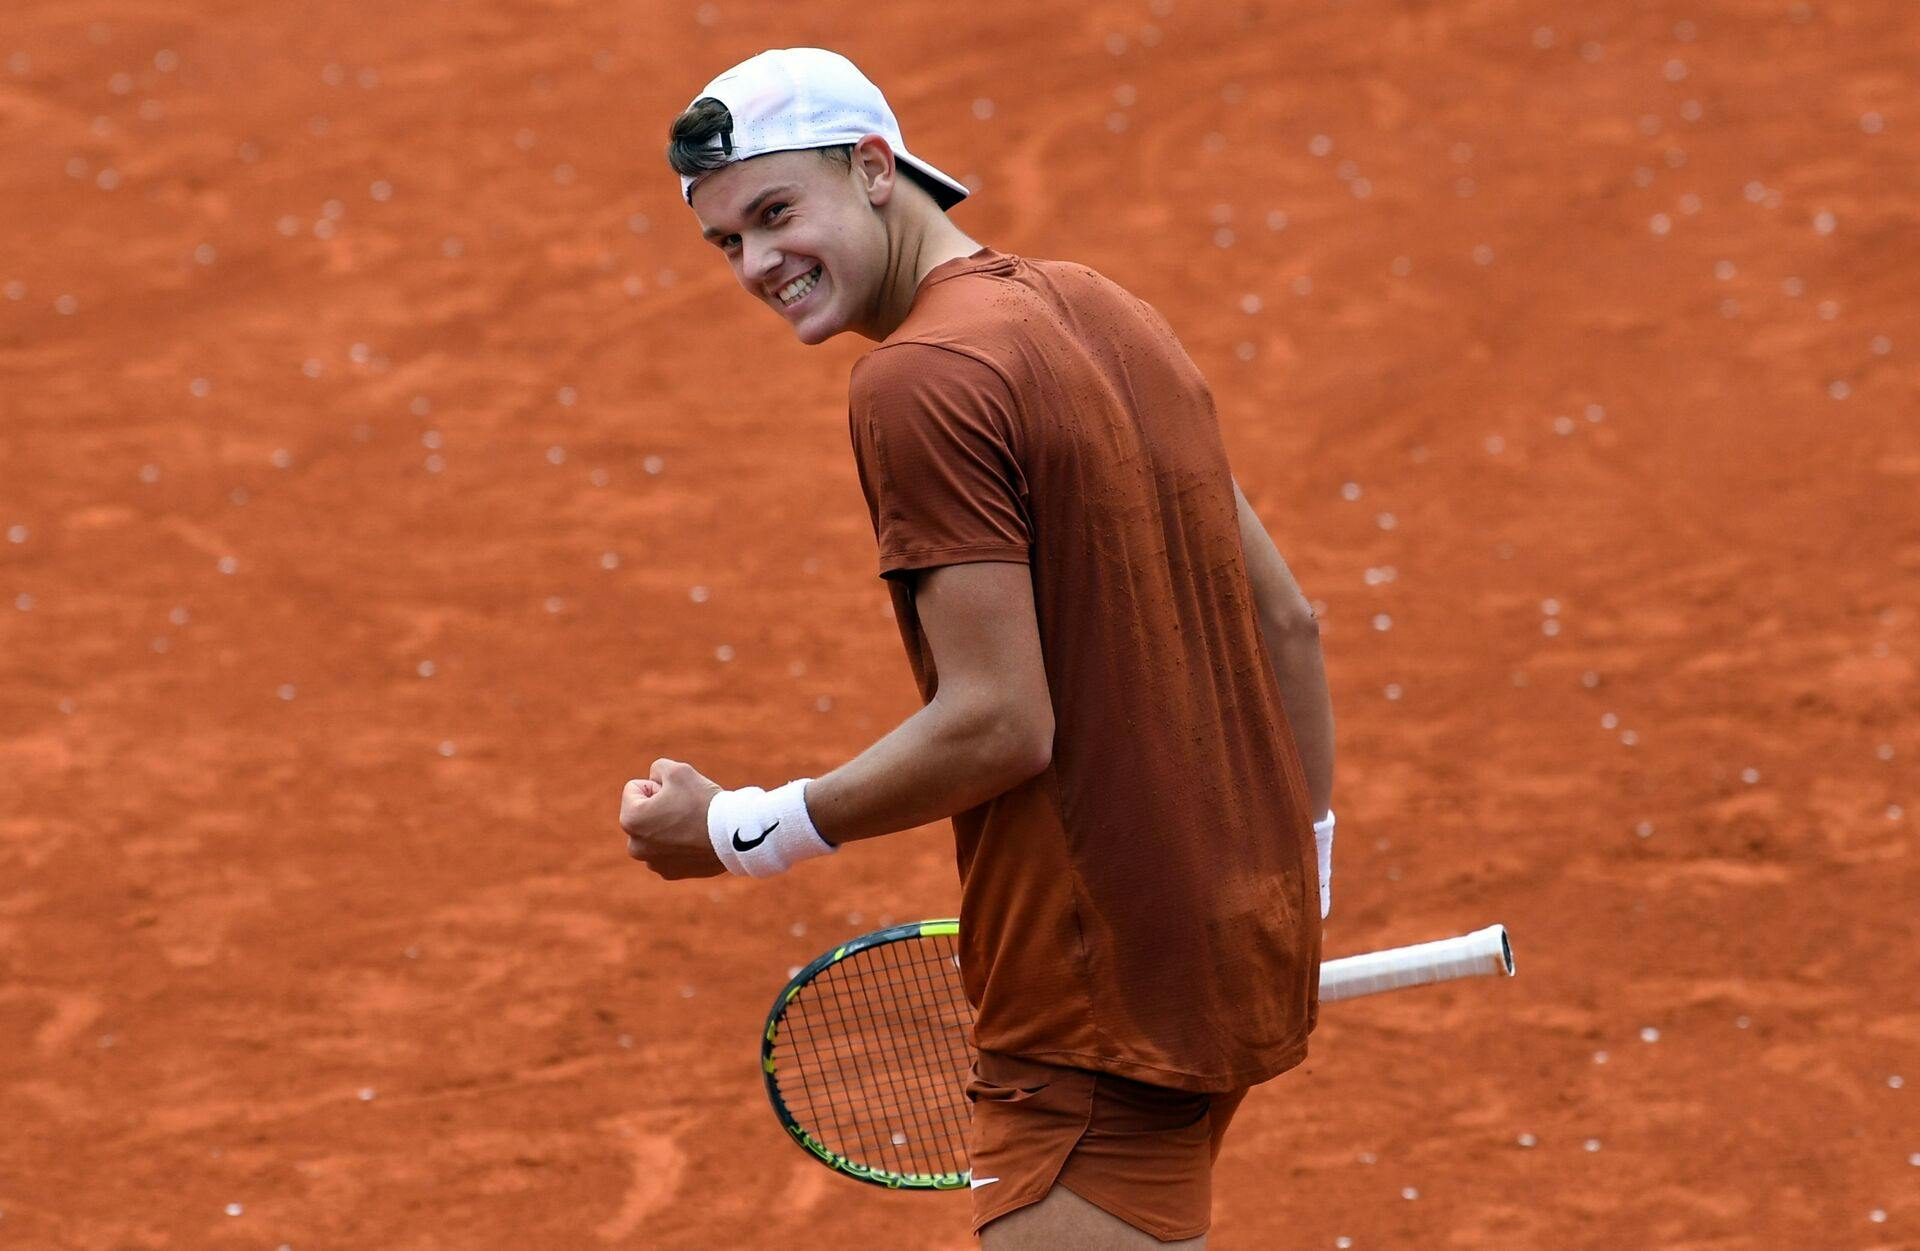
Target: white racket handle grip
(1483, 953)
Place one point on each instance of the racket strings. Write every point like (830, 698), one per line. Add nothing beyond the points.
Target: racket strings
(903, 1082)
(805, 1055)
(853, 1092)
(871, 1101)
(884, 1022)
(872, 1059)
(934, 1036)
(938, 1037)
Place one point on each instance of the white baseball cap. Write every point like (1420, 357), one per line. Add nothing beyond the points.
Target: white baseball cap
(794, 99)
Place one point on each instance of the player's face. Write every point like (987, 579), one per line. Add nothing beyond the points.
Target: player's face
(802, 237)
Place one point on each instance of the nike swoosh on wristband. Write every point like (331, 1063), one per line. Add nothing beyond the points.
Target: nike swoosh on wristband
(977, 1182)
(739, 845)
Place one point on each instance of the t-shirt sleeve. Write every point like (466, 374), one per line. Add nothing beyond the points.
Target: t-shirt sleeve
(934, 436)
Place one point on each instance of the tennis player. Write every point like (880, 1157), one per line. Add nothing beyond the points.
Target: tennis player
(1125, 709)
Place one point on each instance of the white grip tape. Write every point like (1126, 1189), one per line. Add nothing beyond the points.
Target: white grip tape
(1323, 845)
(760, 833)
(1481, 953)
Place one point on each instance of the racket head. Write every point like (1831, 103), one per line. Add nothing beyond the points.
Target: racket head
(865, 1057)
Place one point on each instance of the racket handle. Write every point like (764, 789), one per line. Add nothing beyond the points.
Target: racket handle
(1483, 953)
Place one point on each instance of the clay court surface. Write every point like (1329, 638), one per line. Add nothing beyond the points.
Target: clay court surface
(388, 472)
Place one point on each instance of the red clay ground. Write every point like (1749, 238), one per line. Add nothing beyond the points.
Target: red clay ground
(387, 472)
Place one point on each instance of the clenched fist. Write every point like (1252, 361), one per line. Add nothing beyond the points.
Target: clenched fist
(664, 816)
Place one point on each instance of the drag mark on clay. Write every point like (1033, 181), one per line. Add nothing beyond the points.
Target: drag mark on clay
(806, 1189)
(658, 1165)
(67, 1013)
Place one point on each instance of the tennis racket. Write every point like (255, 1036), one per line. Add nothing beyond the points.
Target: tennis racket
(866, 1056)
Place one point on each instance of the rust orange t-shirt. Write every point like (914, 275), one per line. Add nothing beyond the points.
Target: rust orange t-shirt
(1149, 904)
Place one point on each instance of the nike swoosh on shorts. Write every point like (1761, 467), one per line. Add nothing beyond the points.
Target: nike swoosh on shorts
(977, 1182)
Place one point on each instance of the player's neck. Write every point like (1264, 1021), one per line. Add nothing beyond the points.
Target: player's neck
(921, 244)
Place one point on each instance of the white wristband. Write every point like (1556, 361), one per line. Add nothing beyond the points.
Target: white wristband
(1323, 844)
(759, 833)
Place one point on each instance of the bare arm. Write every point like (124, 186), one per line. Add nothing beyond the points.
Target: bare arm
(988, 728)
(1292, 637)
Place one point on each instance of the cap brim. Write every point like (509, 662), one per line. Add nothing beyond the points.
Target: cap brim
(946, 191)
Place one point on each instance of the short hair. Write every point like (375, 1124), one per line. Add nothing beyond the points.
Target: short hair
(691, 152)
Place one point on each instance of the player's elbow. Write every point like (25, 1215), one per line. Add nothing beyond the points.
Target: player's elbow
(1028, 745)
(1289, 617)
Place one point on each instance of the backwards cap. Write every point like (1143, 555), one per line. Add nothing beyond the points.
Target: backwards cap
(793, 99)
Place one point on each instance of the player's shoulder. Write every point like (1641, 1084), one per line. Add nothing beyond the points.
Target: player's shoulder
(909, 366)
(1038, 294)
(971, 329)
(1037, 274)
(1076, 274)
(1003, 302)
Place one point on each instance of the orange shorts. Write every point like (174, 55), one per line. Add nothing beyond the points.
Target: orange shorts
(1144, 1153)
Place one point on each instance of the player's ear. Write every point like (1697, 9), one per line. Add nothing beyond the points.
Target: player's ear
(874, 166)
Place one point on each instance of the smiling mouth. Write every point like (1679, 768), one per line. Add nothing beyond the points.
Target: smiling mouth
(796, 290)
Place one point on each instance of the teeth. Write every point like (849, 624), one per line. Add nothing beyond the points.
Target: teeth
(799, 286)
